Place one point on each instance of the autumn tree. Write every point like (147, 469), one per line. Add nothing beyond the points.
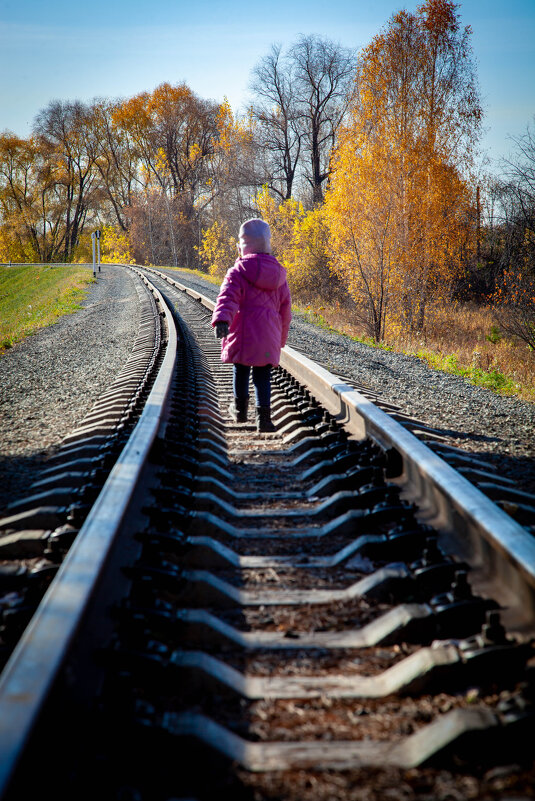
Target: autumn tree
(282, 217)
(514, 298)
(300, 240)
(218, 250)
(115, 246)
(279, 130)
(75, 169)
(171, 133)
(70, 149)
(324, 71)
(399, 204)
(301, 98)
(195, 162)
(20, 209)
(47, 186)
(116, 162)
(366, 229)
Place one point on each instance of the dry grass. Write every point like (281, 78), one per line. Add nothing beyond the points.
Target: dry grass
(461, 339)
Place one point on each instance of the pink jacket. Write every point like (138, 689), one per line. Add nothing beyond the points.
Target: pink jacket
(255, 301)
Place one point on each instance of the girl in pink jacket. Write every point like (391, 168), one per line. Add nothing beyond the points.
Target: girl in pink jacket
(252, 317)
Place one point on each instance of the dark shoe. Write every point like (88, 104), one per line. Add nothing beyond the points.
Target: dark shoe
(263, 419)
(238, 409)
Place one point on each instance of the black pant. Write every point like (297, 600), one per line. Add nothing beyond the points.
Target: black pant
(261, 381)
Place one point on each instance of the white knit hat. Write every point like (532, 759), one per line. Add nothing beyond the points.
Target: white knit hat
(255, 237)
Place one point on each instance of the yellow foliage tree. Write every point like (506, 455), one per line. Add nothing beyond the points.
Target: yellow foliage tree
(362, 213)
(12, 249)
(398, 207)
(218, 249)
(26, 233)
(300, 240)
(308, 261)
(84, 249)
(172, 131)
(115, 246)
(282, 219)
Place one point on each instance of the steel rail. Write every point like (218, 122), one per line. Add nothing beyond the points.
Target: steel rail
(495, 543)
(500, 551)
(478, 530)
(37, 658)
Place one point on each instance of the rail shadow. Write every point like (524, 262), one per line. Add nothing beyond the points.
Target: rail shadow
(520, 469)
(467, 436)
(17, 474)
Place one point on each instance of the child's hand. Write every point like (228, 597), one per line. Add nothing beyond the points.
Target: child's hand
(221, 330)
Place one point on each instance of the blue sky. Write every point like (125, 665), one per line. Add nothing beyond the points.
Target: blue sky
(66, 50)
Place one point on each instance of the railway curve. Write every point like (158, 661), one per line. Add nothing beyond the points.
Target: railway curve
(330, 611)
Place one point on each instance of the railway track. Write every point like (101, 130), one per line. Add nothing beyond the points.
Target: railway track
(193, 610)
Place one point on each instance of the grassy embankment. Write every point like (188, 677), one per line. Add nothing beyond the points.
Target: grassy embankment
(33, 297)
(462, 340)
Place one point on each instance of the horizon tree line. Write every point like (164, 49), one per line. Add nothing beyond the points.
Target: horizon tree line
(364, 163)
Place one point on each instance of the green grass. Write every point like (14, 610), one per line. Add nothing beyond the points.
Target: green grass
(35, 296)
(492, 379)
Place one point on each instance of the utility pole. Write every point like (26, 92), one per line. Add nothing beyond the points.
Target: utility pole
(95, 236)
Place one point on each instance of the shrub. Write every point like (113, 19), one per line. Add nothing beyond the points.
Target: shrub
(218, 249)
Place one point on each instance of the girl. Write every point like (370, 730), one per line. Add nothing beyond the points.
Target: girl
(252, 317)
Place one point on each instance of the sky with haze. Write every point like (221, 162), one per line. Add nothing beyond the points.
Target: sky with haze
(64, 50)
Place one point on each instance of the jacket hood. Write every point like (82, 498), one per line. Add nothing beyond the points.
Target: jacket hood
(255, 237)
(262, 270)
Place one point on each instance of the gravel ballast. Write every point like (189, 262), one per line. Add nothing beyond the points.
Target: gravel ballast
(50, 381)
